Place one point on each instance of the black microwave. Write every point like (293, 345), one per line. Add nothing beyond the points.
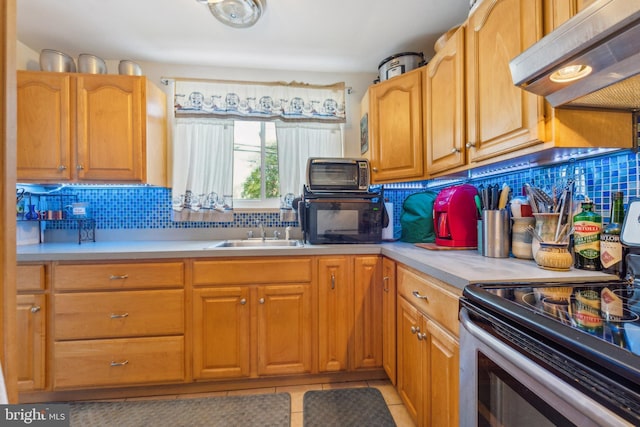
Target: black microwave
(326, 174)
(347, 219)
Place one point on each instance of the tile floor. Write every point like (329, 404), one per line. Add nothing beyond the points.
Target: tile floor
(397, 409)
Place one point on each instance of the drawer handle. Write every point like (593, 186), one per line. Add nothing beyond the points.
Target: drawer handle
(417, 295)
(333, 280)
(385, 281)
(35, 308)
(120, 277)
(124, 362)
(119, 316)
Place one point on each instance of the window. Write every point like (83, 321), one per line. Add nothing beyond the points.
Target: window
(255, 164)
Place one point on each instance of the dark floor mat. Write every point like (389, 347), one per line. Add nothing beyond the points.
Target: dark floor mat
(350, 407)
(273, 410)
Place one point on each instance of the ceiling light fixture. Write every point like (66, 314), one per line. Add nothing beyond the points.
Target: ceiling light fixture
(236, 13)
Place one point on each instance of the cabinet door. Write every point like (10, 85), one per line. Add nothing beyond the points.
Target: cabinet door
(557, 12)
(410, 354)
(221, 332)
(445, 126)
(500, 116)
(334, 319)
(284, 329)
(110, 127)
(367, 328)
(443, 365)
(44, 126)
(389, 318)
(31, 342)
(396, 136)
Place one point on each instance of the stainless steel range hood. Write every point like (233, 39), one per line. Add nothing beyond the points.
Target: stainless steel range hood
(605, 37)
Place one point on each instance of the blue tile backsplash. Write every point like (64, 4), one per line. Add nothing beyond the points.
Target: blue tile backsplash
(149, 208)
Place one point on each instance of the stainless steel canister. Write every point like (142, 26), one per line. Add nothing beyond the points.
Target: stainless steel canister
(495, 233)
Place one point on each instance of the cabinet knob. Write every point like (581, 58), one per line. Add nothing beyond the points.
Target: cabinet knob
(62, 168)
(243, 301)
(455, 150)
(35, 308)
(261, 300)
(415, 329)
(470, 144)
(79, 167)
(421, 336)
(374, 169)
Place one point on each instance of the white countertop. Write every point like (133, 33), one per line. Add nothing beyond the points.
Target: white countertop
(456, 267)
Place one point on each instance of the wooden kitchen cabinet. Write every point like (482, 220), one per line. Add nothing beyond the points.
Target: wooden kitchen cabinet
(349, 312)
(118, 324)
(389, 318)
(246, 325)
(428, 348)
(31, 326)
(335, 319)
(557, 12)
(90, 128)
(445, 125)
(396, 138)
(500, 116)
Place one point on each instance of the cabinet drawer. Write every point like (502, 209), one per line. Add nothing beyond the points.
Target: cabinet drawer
(118, 314)
(118, 276)
(434, 298)
(251, 271)
(30, 278)
(118, 362)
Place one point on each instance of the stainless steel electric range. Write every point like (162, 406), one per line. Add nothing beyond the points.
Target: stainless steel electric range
(556, 354)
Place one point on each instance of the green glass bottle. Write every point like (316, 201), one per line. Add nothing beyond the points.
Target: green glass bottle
(611, 251)
(587, 226)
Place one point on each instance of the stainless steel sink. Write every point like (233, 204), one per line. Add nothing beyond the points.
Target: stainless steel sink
(256, 243)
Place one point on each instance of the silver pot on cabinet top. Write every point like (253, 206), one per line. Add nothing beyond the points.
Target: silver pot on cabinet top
(91, 64)
(56, 61)
(129, 68)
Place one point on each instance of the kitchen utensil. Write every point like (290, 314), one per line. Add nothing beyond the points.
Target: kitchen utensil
(504, 197)
(91, 64)
(53, 60)
(129, 68)
(398, 64)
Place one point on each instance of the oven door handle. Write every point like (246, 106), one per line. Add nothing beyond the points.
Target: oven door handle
(542, 382)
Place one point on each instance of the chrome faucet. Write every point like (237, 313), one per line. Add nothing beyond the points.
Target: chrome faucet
(263, 233)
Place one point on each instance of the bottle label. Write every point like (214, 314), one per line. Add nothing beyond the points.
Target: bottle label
(610, 250)
(586, 239)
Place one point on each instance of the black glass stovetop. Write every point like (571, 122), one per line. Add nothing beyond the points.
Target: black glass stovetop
(600, 321)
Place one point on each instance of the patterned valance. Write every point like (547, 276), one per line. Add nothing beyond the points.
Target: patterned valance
(256, 100)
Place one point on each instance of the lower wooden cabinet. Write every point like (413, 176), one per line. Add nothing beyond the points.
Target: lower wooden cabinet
(428, 354)
(349, 312)
(31, 327)
(245, 327)
(389, 318)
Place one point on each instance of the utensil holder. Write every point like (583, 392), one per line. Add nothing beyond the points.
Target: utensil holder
(495, 233)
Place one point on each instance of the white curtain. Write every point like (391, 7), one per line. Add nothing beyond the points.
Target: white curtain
(299, 141)
(203, 163)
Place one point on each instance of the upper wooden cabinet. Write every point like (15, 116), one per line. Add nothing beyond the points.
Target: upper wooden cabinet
(445, 126)
(90, 128)
(500, 116)
(558, 11)
(396, 139)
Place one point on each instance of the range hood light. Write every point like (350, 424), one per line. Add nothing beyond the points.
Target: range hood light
(570, 73)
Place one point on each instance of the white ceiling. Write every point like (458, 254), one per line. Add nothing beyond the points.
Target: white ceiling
(304, 35)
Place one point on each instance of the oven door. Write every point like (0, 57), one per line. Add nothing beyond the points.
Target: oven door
(500, 386)
(343, 221)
